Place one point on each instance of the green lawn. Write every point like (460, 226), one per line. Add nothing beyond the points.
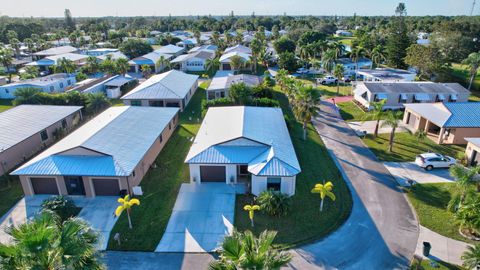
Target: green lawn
(461, 73)
(407, 146)
(328, 91)
(345, 40)
(5, 104)
(10, 195)
(304, 223)
(351, 112)
(160, 186)
(437, 265)
(430, 202)
(116, 102)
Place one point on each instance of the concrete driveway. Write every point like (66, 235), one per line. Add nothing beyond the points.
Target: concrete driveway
(98, 212)
(201, 217)
(369, 127)
(402, 171)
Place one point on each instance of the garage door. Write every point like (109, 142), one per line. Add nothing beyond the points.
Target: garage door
(212, 173)
(412, 119)
(44, 185)
(106, 187)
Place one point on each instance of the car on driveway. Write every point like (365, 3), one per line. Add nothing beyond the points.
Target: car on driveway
(327, 80)
(429, 161)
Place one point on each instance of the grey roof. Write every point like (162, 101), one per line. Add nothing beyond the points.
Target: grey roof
(198, 54)
(56, 50)
(21, 122)
(169, 49)
(415, 87)
(349, 61)
(474, 141)
(435, 112)
(225, 81)
(40, 81)
(257, 136)
(173, 84)
(119, 81)
(118, 139)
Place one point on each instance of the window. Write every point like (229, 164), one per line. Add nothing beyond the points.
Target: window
(156, 103)
(133, 173)
(274, 183)
(169, 125)
(160, 138)
(7, 91)
(136, 103)
(51, 88)
(64, 123)
(69, 82)
(44, 135)
(61, 85)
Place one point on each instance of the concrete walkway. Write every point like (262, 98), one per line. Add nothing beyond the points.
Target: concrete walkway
(122, 260)
(402, 171)
(443, 248)
(382, 230)
(369, 127)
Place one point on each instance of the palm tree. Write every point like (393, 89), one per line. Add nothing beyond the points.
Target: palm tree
(339, 72)
(125, 205)
(163, 62)
(108, 65)
(212, 64)
(471, 257)
(236, 62)
(377, 55)
(256, 47)
(251, 210)
(245, 251)
(264, 57)
(338, 47)
(305, 106)
(328, 60)
(356, 54)
(197, 35)
(376, 113)
(92, 65)
(121, 65)
(473, 61)
(27, 95)
(324, 190)
(30, 72)
(464, 178)
(392, 119)
(96, 102)
(215, 38)
(146, 70)
(65, 65)
(468, 215)
(6, 59)
(46, 242)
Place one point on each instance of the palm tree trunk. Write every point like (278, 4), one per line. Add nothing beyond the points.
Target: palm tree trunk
(338, 87)
(251, 222)
(375, 132)
(304, 130)
(321, 205)
(390, 143)
(129, 219)
(471, 81)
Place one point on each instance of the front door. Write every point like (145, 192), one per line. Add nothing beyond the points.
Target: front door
(74, 185)
(473, 159)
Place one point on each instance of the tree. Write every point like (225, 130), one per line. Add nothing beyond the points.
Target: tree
(328, 60)
(92, 66)
(471, 257)
(256, 46)
(240, 93)
(121, 66)
(377, 55)
(287, 60)
(134, 48)
(426, 59)
(65, 65)
(212, 64)
(473, 62)
(146, 70)
(464, 178)
(305, 107)
(163, 62)
(274, 203)
(468, 215)
(197, 35)
(284, 44)
(281, 78)
(397, 39)
(126, 204)
(245, 251)
(356, 54)
(237, 62)
(376, 113)
(339, 72)
(251, 210)
(30, 72)
(392, 121)
(69, 22)
(96, 102)
(46, 242)
(6, 59)
(324, 190)
(27, 95)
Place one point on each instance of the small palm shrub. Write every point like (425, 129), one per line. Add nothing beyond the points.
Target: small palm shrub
(64, 207)
(274, 203)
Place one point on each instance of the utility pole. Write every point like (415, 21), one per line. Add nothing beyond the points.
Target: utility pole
(473, 8)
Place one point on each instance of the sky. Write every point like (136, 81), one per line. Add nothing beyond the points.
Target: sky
(100, 8)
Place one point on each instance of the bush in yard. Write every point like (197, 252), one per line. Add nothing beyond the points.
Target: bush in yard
(62, 206)
(264, 102)
(274, 203)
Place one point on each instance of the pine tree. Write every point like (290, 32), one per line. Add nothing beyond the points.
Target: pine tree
(398, 40)
(69, 22)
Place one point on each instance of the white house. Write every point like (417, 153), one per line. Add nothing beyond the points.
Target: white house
(171, 49)
(343, 33)
(49, 61)
(195, 61)
(169, 89)
(225, 60)
(238, 48)
(150, 59)
(351, 66)
(100, 51)
(55, 51)
(54, 83)
(236, 144)
(223, 80)
(113, 55)
(386, 75)
(110, 85)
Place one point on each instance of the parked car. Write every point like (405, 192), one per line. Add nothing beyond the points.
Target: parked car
(347, 79)
(302, 71)
(429, 161)
(327, 80)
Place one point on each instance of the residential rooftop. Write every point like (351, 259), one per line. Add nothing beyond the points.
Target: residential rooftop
(56, 50)
(415, 87)
(450, 114)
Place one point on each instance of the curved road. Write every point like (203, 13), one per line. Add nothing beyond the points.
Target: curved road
(381, 232)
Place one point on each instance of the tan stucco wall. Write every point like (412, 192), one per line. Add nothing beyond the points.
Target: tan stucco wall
(469, 151)
(458, 135)
(21, 152)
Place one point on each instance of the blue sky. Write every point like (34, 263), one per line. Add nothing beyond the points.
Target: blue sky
(96, 8)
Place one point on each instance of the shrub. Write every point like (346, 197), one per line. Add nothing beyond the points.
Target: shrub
(65, 208)
(274, 203)
(264, 102)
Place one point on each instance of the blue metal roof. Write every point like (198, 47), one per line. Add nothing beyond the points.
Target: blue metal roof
(229, 154)
(464, 114)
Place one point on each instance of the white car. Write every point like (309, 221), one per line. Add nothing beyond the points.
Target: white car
(327, 80)
(428, 161)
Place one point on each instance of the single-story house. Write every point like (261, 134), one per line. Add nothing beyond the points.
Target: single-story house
(472, 151)
(225, 60)
(170, 49)
(396, 94)
(101, 51)
(212, 48)
(55, 51)
(26, 129)
(351, 66)
(445, 123)
(196, 61)
(244, 145)
(47, 62)
(343, 33)
(54, 83)
(107, 156)
(150, 59)
(223, 80)
(187, 43)
(3, 80)
(169, 89)
(112, 55)
(386, 75)
(110, 85)
(238, 48)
